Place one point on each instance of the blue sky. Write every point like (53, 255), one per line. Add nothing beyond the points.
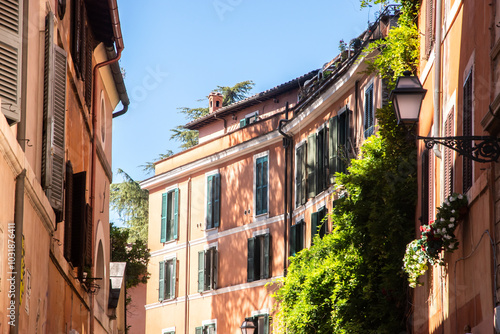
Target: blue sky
(176, 52)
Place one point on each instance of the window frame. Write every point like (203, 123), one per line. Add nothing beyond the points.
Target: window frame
(249, 119)
(259, 252)
(255, 318)
(317, 226)
(369, 110)
(300, 183)
(211, 252)
(212, 219)
(169, 289)
(297, 239)
(258, 212)
(171, 225)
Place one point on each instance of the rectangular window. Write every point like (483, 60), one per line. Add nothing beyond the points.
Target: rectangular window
(339, 139)
(369, 121)
(297, 237)
(261, 185)
(169, 215)
(249, 119)
(206, 329)
(259, 251)
(167, 279)
(311, 166)
(261, 321)
(318, 225)
(207, 269)
(213, 201)
(467, 130)
(300, 176)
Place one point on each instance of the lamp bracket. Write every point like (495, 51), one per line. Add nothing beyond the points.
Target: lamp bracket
(486, 150)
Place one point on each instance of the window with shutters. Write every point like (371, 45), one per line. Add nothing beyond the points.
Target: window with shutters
(54, 115)
(249, 119)
(430, 26)
(297, 237)
(300, 175)
(322, 179)
(261, 184)
(207, 329)
(169, 215)
(311, 166)
(213, 201)
(449, 131)
(339, 142)
(82, 46)
(167, 279)
(262, 323)
(319, 225)
(468, 107)
(259, 253)
(208, 261)
(11, 23)
(369, 121)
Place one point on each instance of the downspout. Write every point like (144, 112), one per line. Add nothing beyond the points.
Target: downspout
(222, 119)
(186, 302)
(287, 140)
(119, 48)
(437, 78)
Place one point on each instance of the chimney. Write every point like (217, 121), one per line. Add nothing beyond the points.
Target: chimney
(214, 101)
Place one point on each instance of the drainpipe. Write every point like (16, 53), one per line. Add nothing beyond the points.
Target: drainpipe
(222, 119)
(113, 8)
(287, 141)
(437, 78)
(188, 225)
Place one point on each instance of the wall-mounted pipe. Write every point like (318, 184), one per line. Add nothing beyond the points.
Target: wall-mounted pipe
(437, 78)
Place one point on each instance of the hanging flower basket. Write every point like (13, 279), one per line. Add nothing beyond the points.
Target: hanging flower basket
(437, 236)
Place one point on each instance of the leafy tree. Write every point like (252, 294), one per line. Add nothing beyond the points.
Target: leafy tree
(351, 281)
(149, 166)
(189, 138)
(135, 254)
(131, 202)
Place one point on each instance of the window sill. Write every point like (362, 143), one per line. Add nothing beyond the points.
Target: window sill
(169, 242)
(211, 231)
(261, 216)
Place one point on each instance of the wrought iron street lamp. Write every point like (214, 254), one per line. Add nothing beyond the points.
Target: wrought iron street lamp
(407, 100)
(248, 327)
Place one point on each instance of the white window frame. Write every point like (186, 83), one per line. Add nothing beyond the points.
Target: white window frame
(302, 142)
(168, 330)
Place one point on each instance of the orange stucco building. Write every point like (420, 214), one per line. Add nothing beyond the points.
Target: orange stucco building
(226, 214)
(459, 68)
(58, 90)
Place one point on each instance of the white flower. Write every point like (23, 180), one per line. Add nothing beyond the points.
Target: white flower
(442, 219)
(447, 237)
(460, 196)
(452, 219)
(446, 202)
(452, 198)
(451, 246)
(452, 211)
(451, 225)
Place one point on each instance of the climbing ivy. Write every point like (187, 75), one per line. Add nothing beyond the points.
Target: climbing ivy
(352, 281)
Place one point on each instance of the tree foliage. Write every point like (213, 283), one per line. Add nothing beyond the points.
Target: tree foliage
(131, 203)
(352, 281)
(136, 255)
(189, 138)
(149, 166)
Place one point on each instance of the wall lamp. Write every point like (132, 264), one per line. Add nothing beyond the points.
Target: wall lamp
(248, 327)
(407, 100)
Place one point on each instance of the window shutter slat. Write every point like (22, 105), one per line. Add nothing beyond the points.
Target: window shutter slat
(448, 156)
(216, 204)
(176, 214)
(161, 280)
(88, 236)
(10, 58)
(251, 260)
(201, 271)
(311, 166)
(210, 194)
(163, 231)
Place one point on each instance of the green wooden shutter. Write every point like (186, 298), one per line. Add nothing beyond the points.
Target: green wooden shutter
(320, 170)
(176, 214)
(208, 269)
(216, 200)
(261, 185)
(293, 240)
(265, 167)
(314, 225)
(199, 330)
(215, 267)
(161, 287)
(266, 271)
(251, 260)
(201, 271)
(321, 215)
(243, 122)
(311, 166)
(300, 236)
(210, 195)
(163, 231)
(333, 147)
(299, 177)
(11, 17)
